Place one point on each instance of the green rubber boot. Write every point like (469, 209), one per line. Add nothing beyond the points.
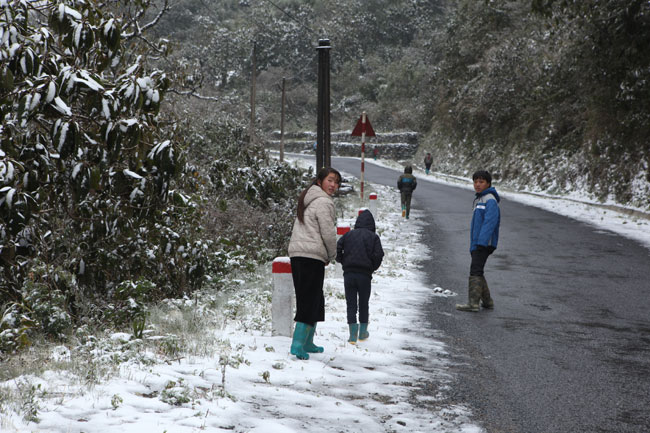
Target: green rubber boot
(354, 332)
(486, 299)
(300, 335)
(474, 295)
(363, 331)
(309, 344)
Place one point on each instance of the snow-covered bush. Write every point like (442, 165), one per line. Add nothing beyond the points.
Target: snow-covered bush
(45, 297)
(129, 304)
(14, 329)
(175, 394)
(252, 198)
(89, 172)
(44, 306)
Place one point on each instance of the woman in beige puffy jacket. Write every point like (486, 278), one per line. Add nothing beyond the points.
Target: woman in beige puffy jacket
(311, 248)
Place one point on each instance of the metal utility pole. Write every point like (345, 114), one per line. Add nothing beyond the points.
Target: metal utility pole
(282, 122)
(251, 132)
(323, 133)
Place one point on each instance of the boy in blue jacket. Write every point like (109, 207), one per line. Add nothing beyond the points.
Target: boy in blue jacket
(484, 236)
(360, 253)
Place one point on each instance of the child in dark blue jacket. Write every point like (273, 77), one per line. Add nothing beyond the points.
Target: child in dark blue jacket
(484, 236)
(360, 253)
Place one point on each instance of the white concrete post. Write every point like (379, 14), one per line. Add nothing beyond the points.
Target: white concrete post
(283, 299)
(372, 204)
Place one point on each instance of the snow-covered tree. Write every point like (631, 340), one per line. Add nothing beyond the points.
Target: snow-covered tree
(87, 168)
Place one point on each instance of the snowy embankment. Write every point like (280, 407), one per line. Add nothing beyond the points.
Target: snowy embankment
(248, 382)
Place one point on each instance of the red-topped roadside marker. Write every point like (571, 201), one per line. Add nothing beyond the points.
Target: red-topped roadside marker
(372, 204)
(282, 300)
(363, 129)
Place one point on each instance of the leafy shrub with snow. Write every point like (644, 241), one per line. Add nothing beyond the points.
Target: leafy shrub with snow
(14, 329)
(89, 172)
(254, 197)
(175, 394)
(96, 191)
(129, 304)
(44, 306)
(46, 295)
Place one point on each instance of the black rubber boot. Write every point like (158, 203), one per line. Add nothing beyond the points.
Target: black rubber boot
(474, 295)
(486, 299)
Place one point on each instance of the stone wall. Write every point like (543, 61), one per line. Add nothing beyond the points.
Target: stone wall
(392, 145)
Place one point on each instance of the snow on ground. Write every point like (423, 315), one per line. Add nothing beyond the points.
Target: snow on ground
(255, 385)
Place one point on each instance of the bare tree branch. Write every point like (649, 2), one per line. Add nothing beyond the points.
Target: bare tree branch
(140, 30)
(151, 44)
(193, 94)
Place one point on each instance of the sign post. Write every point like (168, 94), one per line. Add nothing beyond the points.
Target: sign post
(323, 135)
(363, 129)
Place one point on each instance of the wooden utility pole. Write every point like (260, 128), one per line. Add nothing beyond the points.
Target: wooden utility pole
(251, 132)
(323, 134)
(282, 122)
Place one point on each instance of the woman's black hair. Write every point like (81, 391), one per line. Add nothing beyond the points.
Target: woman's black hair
(483, 174)
(320, 177)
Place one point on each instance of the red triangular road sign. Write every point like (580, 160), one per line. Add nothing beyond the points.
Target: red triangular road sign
(358, 130)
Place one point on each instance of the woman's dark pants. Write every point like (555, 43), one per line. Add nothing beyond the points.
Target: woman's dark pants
(308, 275)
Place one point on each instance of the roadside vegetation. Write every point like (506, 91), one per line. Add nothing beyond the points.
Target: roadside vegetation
(108, 202)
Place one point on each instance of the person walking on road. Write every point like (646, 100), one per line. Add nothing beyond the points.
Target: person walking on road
(311, 248)
(428, 160)
(360, 253)
(484, 236)
(406, 185)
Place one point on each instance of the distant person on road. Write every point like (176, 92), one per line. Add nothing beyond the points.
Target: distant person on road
(360, 253)
(406, 185)
(311, 248)
(375, 152)
(428, 160)
(484, 236)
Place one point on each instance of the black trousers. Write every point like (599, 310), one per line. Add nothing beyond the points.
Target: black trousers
(479, 257)
(357, 285)
(308, 275)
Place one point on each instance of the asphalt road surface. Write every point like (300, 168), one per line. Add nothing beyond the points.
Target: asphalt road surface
(567, 347)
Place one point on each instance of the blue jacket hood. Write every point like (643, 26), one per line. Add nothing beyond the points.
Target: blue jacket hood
(490, 190)
(365, 221)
